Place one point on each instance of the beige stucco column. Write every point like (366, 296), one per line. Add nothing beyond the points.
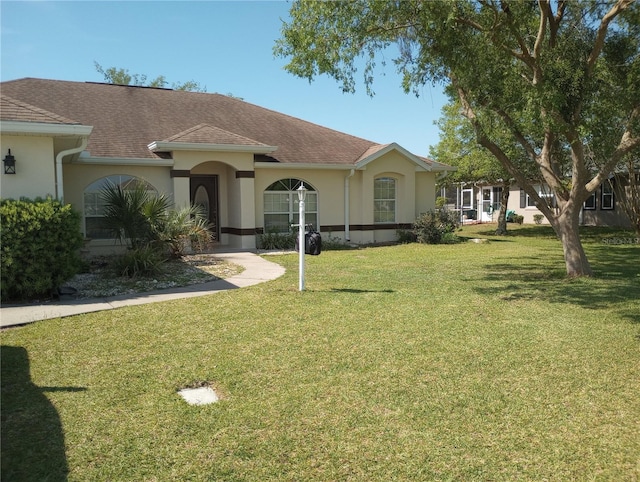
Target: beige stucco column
(181, 189)
(242, 212)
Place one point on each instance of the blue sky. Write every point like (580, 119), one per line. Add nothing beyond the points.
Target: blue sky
(224, 45)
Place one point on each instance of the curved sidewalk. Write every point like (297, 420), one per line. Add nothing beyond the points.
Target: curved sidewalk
(256, 270)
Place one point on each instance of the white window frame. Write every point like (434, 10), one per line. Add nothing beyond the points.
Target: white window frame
(287, 193)
(95, 208)
(468, 192)
(544, 194)
(607, 198)
(385, 205)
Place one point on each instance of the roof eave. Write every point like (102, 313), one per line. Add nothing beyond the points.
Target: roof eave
(42, 128)
(86, 158)
(303, 165)
(160, 146)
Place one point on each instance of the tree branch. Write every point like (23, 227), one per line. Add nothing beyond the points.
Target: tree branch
(598, 45)
(498, 153)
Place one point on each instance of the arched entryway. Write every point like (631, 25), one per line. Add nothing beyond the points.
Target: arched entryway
(204, 192)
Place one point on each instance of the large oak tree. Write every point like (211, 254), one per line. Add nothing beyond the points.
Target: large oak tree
(559, 79)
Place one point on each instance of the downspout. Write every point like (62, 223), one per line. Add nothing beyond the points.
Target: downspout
(59, 157)
(347, 234)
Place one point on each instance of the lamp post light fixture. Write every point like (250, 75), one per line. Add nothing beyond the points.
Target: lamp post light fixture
(9, 163)
(302, 194)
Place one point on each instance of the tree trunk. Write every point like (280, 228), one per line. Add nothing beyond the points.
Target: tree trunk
(502, 217)
(567, 227)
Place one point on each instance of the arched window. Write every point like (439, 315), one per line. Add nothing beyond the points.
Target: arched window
(281, 208)
(94, 204)
(384, 200)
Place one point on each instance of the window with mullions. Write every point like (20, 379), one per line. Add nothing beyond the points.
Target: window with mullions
(281, 206)
(606, 196)
(384, 200)
(545, 193)
(590, 203)
(94, 204)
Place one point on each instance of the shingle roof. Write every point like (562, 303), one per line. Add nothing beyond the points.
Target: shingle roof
(127, 119)
(206, 134)
(14, 110)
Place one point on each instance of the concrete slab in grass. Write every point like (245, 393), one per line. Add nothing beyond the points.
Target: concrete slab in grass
(199, 396)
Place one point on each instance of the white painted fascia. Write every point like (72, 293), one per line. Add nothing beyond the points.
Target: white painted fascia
(41, 128)
(394, 146)
(303, 166)
(122, 161)
(443, 168)
(158, 146)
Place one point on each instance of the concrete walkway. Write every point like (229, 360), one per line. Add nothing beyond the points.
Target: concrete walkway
(256, 270)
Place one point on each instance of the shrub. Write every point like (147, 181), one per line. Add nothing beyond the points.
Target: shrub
(275, 240)
(405, 236)
(145, 261)
(537, 218)
(182, 228)
(518, 219)
(134, 215)
(333, 243)
(41, 243)
(432, 226)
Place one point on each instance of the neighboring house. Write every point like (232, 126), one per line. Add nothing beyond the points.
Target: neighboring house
(241, 162)
(481, 203)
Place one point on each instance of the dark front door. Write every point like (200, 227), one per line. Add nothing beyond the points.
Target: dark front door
(204, 192)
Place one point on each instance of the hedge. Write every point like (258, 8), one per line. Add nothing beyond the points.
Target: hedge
(40, 248)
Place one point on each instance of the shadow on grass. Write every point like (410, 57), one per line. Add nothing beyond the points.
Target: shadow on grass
(616, 283)
(32, 435)
(353, 290)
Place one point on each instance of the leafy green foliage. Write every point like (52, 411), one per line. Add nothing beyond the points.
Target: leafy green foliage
(144, 261)
(134, 215)
(276, 240)
(41, 243)
(120, 76)
(185, 227)
(152, 231)
(547, 87)
(436, 227)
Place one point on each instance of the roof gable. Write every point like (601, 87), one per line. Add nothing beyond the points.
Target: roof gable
(207, 134)
(206, 137)
(377, 151)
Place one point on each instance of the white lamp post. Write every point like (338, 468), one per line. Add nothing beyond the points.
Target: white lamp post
(302, 194)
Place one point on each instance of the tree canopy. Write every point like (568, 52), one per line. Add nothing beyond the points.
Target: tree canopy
(559, 80)
(120, 76)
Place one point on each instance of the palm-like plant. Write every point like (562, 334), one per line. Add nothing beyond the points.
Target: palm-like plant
(142, 219)
(188, 224)
(134, 215)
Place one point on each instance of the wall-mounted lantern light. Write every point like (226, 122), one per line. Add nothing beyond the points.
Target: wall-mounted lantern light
(9, 163)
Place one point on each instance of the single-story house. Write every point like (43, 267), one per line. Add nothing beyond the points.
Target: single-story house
(480, 202)
(241, 162)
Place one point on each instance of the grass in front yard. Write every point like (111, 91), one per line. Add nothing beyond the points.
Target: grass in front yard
(413, 362)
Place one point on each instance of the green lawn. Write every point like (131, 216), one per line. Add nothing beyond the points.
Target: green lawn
(413, 362)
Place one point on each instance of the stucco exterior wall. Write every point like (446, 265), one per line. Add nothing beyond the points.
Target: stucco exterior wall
(329, 184)
(414, 195)
(77, 177)
(35, 167)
